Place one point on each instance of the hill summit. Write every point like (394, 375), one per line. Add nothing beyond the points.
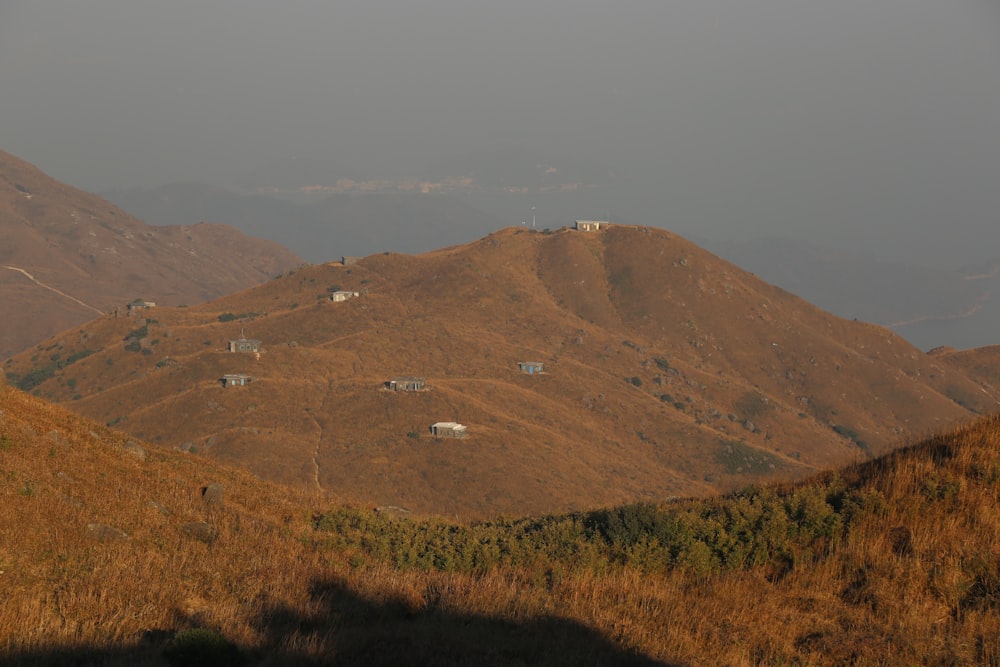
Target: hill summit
(665, 371)
(67, 256)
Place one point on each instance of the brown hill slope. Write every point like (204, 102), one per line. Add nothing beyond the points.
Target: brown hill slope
(117, 552)
(67, 256)
(667, 372)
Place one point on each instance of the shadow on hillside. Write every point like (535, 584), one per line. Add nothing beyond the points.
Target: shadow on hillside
(358, 631)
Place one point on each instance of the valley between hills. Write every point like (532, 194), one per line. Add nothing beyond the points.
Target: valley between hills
(667, 372)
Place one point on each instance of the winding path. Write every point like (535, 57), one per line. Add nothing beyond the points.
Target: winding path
(319, 441)
(53, 289)
(968, 312)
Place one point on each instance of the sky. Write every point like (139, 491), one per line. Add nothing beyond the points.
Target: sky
(872, 124)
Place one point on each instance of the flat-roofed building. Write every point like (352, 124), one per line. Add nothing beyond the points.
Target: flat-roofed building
(449, 430)
(406, 384)
(244, 345)
(231, 379)
(342, 295)
(531, 367)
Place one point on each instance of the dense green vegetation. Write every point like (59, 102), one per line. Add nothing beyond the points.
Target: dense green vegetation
(137, 334)
(755, 527)
(230, 317)
(38, 375)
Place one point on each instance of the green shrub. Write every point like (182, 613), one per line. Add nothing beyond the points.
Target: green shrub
(846, 431)
(35, 377)
(138, 334)
(756, 527)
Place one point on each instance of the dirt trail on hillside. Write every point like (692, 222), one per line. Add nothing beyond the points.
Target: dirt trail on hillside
(319, 441)
(53, 289)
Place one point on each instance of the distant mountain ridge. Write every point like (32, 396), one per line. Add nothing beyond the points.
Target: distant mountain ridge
(667, 371)
(928, 306)
(67, 256)
(324, 230)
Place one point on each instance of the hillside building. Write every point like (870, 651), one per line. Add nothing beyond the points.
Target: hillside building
(342, 295)
(531, 367)
(448, 430)
(139, 304)
(347, 260)
(231, 379)
(406, 384)
(591, 225)
(244, 345)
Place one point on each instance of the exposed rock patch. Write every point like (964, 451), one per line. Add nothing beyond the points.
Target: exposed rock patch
(102, 532)
(213, 494)
(136, 450)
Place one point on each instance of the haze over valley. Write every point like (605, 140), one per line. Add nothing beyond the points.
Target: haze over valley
(928, 305)
(647, 333)
(827, 125)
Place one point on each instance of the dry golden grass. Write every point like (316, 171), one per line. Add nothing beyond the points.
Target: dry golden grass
(669, 373)
(914, 579)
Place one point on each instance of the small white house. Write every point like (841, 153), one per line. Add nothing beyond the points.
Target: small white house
(244, 345)
(342, 295)
(531, 367)
(232, 379)
(406, 384)
(449, 430)
(591, 225)
(140, 304)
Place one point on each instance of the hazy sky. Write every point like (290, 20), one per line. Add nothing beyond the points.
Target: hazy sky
(819, 119)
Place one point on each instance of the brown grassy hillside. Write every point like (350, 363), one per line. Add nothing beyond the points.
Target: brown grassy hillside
(668, 372)
(120, 552)
(68, 256)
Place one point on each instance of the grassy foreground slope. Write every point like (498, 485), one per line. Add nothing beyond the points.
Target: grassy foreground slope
(120, 552)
